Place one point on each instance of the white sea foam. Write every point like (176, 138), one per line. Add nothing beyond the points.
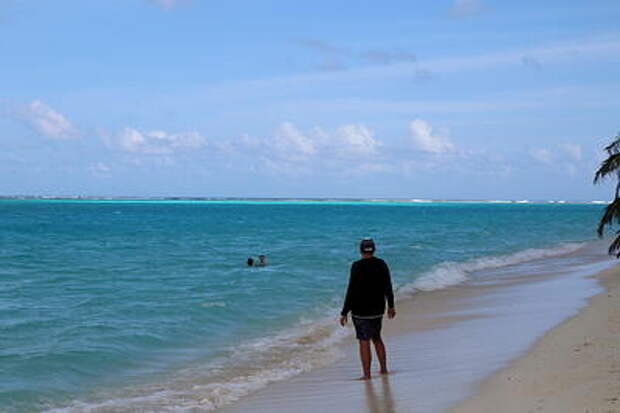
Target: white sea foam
(451, 273)
(249, 367)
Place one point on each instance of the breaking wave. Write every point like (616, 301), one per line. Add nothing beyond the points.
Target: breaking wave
(450, 273)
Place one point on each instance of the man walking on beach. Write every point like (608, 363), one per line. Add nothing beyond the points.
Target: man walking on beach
(370, 286)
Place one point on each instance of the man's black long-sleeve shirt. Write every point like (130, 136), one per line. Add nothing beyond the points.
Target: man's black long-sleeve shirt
(369, 286)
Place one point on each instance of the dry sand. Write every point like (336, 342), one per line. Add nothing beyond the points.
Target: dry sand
(573, 368)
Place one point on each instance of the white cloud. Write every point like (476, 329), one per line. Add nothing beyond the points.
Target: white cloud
(464, 8)
(357, 139)
(156, 141)
(295, 150)
(573, 150)
(541, 155)
(423, 138)
(48, 122)
(100, 169)
(291, 143)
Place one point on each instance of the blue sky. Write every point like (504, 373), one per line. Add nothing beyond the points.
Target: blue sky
(475, 99)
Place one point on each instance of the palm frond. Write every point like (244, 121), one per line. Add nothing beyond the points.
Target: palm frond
(614, 146)
(614, 248)
(608, 166)
(611, 213)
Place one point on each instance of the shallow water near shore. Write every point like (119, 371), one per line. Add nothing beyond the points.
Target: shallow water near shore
(149, 305)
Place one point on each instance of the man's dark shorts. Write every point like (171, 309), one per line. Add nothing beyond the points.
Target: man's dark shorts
(367, 328)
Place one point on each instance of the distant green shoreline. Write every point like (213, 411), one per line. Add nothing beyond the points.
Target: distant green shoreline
(322, 201)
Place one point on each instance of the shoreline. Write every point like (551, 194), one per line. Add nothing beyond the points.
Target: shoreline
(573, 367)
(435, 350)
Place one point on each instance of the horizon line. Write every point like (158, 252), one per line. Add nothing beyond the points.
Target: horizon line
(299, 199)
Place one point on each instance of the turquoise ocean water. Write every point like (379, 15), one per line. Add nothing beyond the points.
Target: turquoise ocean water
(150, 305)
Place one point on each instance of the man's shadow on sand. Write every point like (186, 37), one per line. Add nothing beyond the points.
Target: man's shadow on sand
(379, 396)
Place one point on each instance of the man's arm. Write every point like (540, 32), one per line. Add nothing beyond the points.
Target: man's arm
(348, 300)
(389, 292)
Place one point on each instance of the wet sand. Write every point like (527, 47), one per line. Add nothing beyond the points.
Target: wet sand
(573, 368)
(444, 343)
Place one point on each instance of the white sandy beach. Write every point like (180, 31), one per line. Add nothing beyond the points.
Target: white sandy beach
(458, 346)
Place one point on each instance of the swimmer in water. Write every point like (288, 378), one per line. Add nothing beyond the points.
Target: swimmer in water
(250, 261)
(262, 261)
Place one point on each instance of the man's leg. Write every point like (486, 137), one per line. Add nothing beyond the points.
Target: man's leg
(365, 357)
(380, 349)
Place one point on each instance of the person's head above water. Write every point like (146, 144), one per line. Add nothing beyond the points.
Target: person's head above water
(250, 261)
(367, 246)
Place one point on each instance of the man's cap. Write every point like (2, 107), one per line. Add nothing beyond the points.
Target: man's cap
(367, 245)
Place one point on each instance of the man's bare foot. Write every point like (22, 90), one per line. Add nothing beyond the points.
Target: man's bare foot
(364, 378)
(384, 372)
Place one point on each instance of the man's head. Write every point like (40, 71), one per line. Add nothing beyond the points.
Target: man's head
(367, 247)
